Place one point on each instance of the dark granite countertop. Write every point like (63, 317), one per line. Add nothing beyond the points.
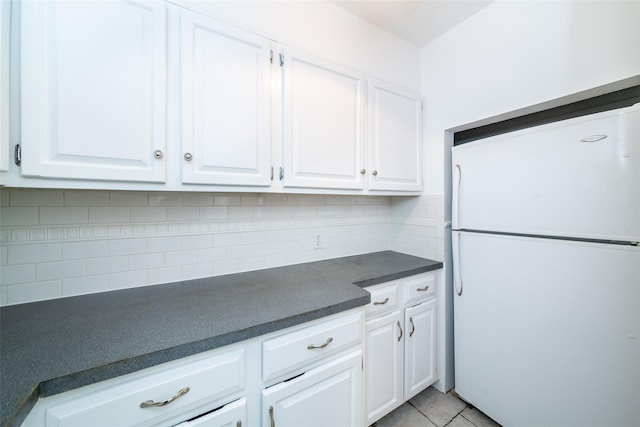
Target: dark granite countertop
(49, 347)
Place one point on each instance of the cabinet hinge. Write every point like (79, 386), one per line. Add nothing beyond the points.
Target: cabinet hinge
(281, 173)
(271, 56)
(281, 59)
(17, 154)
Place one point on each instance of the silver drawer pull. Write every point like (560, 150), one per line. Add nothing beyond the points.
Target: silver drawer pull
(400, 328)
(312, 346)
(151, 403)
(426, 288)
(386, 300)
(413, 327)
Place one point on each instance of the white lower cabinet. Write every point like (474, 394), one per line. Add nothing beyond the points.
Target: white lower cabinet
(330, 395)
(160, 398)
(311, 375)
(384, 354)
(233, 414)
(420, 346)
(400, 342)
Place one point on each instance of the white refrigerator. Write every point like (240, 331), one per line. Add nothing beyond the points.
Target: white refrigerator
(546, 266)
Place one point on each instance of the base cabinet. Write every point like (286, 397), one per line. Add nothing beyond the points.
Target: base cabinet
(232, 415)
(400, 343)
(329, 395)
(420, 344)
(384, 350)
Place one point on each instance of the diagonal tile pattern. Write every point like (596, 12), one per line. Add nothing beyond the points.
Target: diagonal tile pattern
(434, 409)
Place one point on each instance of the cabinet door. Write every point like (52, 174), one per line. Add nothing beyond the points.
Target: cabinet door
(233, 414)
(5, 12)
(330, 395)
(384, 349)
(225, 104)
(420, 347)
(323, 124)
(94, 90)
(395, 135)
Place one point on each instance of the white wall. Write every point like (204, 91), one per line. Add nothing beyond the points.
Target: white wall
(513, 54)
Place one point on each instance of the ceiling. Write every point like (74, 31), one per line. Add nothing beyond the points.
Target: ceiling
(416, 21)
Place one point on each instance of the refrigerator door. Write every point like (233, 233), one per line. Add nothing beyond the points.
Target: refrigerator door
(547, 332)
(561, 179)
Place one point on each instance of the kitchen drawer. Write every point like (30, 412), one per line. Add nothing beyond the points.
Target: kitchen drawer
(209, 379)
(301, 347)
(233, 414)
(382, 299)
(420, 287)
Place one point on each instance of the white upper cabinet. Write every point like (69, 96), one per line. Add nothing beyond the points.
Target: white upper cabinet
(323, 126)
(93, 84)
(225, 90)
(5, 12)
(395, 138)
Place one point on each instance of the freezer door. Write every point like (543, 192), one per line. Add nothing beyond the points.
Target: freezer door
(561, 179)
(547, 332)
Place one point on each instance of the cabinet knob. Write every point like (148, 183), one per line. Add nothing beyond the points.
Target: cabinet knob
(158, 154)
(188, 157)
(363, 171)
(374, 173)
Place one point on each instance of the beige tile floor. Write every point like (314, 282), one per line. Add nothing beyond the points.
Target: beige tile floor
(434, 409)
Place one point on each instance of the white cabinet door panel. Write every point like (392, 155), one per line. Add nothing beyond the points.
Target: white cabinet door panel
(384, 349)
(330, 395)
(420, 348)
(225, 103)
(323, 124)
(395, 154)
(94, 89)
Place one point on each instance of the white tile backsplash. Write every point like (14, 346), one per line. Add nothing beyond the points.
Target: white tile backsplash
(57, 243)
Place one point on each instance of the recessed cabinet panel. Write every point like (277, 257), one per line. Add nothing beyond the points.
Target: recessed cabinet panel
(395, 138)
(384, 349)
(420, 347)
(323, 124)
(94, 90)
(329, 395)
(225, 104)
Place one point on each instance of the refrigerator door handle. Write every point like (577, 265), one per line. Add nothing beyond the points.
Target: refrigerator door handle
(455, 196)
(457, 278)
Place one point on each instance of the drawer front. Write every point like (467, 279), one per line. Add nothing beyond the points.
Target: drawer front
(382, 299)
(301, 347)
(208, 380)
(421, 286)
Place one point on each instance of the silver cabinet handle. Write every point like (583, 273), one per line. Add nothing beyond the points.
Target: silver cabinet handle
(151, 403)
(426, 288)
(239, 423)
(312, 346)
(188, 157)
(413, 327)
(386, 300)
(273, 421)
(158, 154)
(363, 171)
(399, 327)
(374, 173)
